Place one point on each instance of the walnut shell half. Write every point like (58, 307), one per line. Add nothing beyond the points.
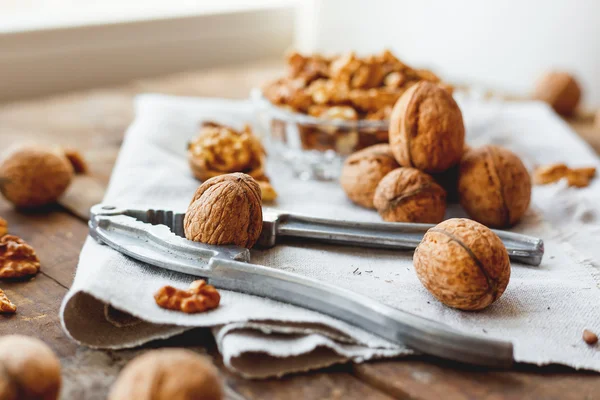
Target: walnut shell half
(426, 129)
(363, 171)
(494, 186)
(463, 264)
(226, 209)
(409, 195)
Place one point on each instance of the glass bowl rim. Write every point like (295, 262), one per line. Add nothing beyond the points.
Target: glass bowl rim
(296, 117)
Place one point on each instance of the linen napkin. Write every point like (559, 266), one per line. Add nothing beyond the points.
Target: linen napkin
(543, 311)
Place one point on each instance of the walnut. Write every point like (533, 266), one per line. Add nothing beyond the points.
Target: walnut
(219, 149)
(494, 186)
(225, 210)
(6, 307)
(426, 129)
(77, 161)
(34, 176)
(560, 90)
(29, 369)
(409, 195)
(168, 374)
(363, 171)
(463, 264)
(3, 227)
(198, 298)
(17, 258)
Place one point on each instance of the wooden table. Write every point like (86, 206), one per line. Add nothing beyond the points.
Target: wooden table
(94, 121)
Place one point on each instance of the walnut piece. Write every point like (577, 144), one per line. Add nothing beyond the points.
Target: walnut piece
(560, 90)
(576, 177)
(409, 195)
(168, 374)
(494, 186)
(363, 171)
(198, 298)
(17, 258)
(220, 149)
(6, 306)
(77, 161)
(267, 192)
(226, 209)
(34, 176)
(463, 264)
(426, 129)
(29, 369)
(3, 227)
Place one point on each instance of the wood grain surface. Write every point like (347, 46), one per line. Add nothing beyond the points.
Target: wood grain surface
(94, 121)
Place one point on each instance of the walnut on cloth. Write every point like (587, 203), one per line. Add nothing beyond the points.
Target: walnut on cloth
(199, 297)
(576, 177)
(17, 258)
(219, 149)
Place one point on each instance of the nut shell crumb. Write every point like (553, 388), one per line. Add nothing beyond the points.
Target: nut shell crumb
(168, 374)
(409, 195)
(494, 186)
(6, 306)
(590, 337)
(426, 129)
(463, 264)
(363, 170)
(17, 258)
(226, 209)
(198, 298)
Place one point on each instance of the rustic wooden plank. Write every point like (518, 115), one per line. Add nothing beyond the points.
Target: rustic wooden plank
(425, 378)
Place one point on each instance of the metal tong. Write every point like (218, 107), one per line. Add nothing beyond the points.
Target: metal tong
(156, 237)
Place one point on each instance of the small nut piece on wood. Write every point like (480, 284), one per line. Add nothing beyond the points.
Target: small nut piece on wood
(463, 264)
(220, 149)
(560, 90)
(17, 258)
(34, 176)
(426, 129)
(168, 374)
(590, 337)
(6, 307)
(363, 171)
(198, 298)
(494, 186)
(226, 209)
(3, 227)
(409, 195)
(28, 369)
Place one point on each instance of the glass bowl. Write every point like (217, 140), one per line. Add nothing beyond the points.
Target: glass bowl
(313, 147)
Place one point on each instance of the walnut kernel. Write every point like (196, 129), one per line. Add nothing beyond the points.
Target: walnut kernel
(34, 176)
(363, 171)
(494, 186)
(3, 227)
(226, 209)
(17, 258)
(409, 195)
(463, 264)
(168, 374)
(198, 298)
(29, 369)
(560, 90)
(6, 306)
(580, 177)
(549, 173)
(267, 192)
(426, 129)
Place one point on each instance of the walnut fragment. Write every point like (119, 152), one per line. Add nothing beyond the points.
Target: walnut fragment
(198, 298)
(576, 177)
(17, 258)
(463, 264)
(226, 209)
(3, 227)
(6, 306)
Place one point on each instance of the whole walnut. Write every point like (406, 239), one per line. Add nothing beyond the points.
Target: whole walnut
(426, 129)
(560, 90)
(226, 209)
(363, 171)
(168, 374)
(494, 186)
(28, 369)
(34, 176)
(409, 195)
(463, 264)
